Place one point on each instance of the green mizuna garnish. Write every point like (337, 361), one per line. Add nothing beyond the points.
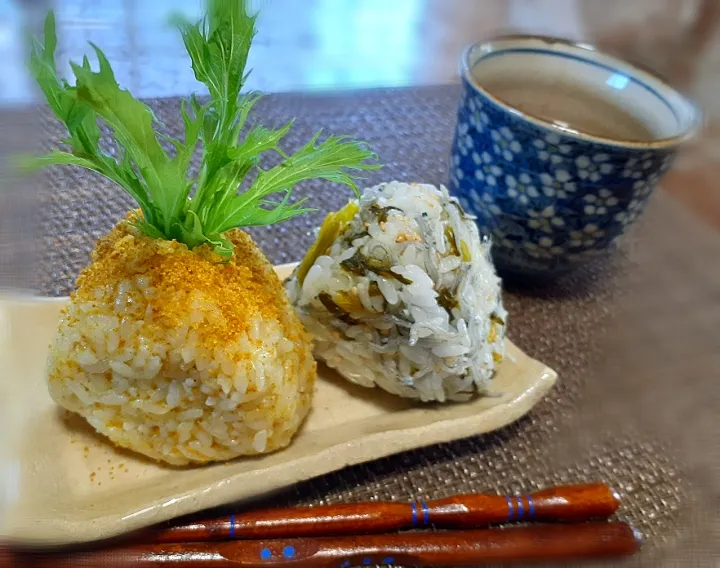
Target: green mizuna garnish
(176, 204)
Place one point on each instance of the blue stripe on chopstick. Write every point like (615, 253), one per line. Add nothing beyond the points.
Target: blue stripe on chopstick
(532, 505)
(426, 513)
(414, 514)
(521, 512)
(232, 526)
(510, 508)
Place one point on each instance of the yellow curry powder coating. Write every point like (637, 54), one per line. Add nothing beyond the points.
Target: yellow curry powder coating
(241, 287)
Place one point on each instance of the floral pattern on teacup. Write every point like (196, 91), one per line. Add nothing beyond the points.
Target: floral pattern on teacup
(552, 148)
(505, 144)
(593, 168)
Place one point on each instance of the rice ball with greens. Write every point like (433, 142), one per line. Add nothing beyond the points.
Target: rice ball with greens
(399, 292)
(179, 342)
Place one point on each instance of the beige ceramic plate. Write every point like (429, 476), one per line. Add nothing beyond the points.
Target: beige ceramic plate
(60, 483)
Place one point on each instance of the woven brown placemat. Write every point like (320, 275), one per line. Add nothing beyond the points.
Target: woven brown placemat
(635, 338)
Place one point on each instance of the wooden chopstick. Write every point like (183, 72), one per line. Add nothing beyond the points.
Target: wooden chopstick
(560, 504)
(460, 548)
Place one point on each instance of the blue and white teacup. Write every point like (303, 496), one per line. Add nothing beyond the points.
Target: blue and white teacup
(558, 147)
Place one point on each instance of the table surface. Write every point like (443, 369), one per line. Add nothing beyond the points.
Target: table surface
(633, 337)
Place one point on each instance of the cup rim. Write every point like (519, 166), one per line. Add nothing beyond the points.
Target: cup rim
(669, 142)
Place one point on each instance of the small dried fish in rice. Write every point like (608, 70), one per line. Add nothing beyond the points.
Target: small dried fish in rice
(360, 264)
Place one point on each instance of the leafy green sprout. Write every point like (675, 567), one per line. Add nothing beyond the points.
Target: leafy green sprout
(175, 204)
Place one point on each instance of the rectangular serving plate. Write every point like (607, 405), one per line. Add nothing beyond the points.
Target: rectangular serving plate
(60, 483)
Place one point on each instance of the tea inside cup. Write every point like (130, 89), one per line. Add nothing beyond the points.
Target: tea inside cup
(580, 91)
